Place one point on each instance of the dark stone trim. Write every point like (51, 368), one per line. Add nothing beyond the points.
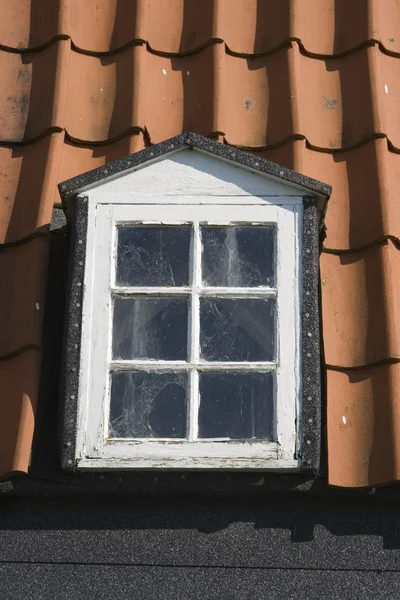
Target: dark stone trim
(310, 426)
(72, 347)
(58, 222)
(70, 188)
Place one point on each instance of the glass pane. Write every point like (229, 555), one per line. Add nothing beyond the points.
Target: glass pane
(148, 405)
(153, 256)
(238, 256)
(236, 405)
(150, 328)
(233, 329)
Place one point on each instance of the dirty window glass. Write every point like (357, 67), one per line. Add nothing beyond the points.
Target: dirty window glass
(237, 329)
(167, 379)
(236, 406)
(148, 405)
(238, 256)
(153, 256)
(154, 328)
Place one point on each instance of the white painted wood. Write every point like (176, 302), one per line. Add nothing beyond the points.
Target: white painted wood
(182, 365)
(264, 292)
(195, 451)
(188, 187)
(98, 306)
(178, 214)
(156, 200)
(192, 173)
(288, 325)
(285, 371)
(195, 333)
(188, 463)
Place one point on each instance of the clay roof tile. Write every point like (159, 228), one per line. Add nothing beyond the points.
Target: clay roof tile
(310, 84)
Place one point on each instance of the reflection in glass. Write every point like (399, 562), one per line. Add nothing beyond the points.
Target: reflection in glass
(148, 405)
(237, 329)
(239, 256)
(150, 327)
(153, 255)
(236, 406)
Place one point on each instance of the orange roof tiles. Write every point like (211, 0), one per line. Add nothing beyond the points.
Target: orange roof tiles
(310, 84)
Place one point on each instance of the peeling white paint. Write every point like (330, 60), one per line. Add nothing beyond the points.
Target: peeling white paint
(386, 89)
(188, 187)
(344, 420)
(164, 72)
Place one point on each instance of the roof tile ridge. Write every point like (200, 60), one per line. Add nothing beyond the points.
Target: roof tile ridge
(26, 239)
(36, 49)
(381, 241)
(294, 86)
(140, 40)
(48, 131)
(19, 351)
(219, 90)
(308, 53)
(309, 145)
(136, 129)
(102, 53)
(390, 360)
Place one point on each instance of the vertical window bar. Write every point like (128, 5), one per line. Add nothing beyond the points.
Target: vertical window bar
(107, 390)
(195, 333)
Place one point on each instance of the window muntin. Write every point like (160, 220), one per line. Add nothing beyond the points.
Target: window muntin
(235, 368)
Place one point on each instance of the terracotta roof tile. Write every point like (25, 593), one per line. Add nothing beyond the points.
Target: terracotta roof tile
(19, 384)
(360, 292)
(364, 423)
(77, 158)
(23, 275)
(32, 95)
(27, 24)
(99, 98)
(28, 178)
(310, 84)
(364, 205)
(324, 27)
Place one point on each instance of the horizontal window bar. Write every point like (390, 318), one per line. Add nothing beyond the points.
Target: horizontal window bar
(170, 291)
(255, 292)
(178, 365)
(189, 442)
(153, 223)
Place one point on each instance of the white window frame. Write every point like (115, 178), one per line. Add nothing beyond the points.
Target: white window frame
(94, 449)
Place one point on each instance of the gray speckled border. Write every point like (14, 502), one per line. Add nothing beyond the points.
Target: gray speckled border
(310, 426)
(72, 345)
(69, 189)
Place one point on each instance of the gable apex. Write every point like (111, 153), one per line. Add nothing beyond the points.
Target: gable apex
(212, 162)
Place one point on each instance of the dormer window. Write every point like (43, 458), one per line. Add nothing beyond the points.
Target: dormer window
(186, 313)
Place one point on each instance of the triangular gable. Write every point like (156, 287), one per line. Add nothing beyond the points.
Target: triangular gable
(193, 173)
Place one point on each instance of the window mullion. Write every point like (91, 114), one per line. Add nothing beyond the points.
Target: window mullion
(195, 332)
